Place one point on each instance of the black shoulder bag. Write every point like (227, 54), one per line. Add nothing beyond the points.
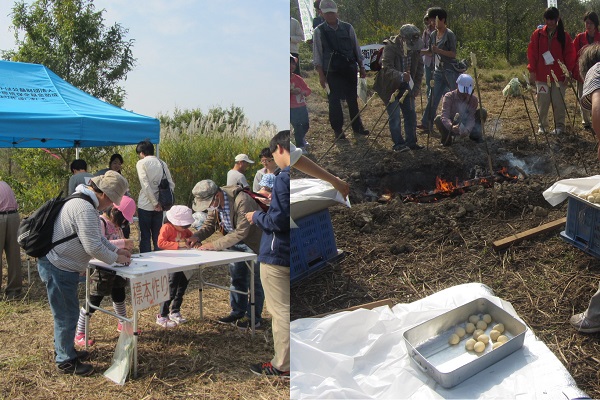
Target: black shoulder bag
(166, 197)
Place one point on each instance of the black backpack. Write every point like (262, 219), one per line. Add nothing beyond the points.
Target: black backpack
(35, 232)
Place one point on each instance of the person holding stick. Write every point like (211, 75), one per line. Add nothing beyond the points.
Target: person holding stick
(581, 41)
(337, 58)
(547, 47)
(442, 47)
(460, 116)
(402, 68)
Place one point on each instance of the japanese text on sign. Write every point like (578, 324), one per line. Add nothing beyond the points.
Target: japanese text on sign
(149, 290)
(28, 94)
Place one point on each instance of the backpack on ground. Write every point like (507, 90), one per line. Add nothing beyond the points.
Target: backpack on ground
(35, 232)
(375, 61)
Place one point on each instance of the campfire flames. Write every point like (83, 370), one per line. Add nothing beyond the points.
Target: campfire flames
(445, 188)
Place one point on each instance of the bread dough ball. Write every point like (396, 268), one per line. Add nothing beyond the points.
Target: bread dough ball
(473, 319)
(477, 333)
(483, 338)
(487, 318)
(460, 332)
(454, 339)
(496, 345)
(494, 334)
(470, 328)
(481, 325)
(470, 344)
(479, 347)
(499, 328)
(502, 339)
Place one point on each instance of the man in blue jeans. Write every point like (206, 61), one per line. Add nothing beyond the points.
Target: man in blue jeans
(227, 207)
(402, 67)
(61, 267)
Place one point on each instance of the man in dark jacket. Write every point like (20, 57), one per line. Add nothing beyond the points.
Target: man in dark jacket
(402, 70)
(227, 207)
(274, 259)
(336, 55)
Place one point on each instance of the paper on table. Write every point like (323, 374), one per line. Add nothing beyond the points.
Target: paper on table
(557, 193)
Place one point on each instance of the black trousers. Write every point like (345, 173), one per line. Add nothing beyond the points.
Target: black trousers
(342, 85)
(178, 283)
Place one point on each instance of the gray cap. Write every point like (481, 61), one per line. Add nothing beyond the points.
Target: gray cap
(412, 37)
(204, 192)
(112, 184)
(328, 6)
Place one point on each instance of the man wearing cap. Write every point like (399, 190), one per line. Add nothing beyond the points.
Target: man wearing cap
(150, 171)
(236, 176)
(402, 69)
(61, 267)
(460, 115)
(227, 207)
(337, 55)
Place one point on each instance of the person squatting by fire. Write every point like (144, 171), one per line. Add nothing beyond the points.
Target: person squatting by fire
(460, 115)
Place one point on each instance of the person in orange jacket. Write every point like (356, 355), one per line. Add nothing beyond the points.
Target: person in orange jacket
(582, 40)
(173, 235)
(549, 45)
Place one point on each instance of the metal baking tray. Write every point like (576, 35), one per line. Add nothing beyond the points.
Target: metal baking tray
(449, 365)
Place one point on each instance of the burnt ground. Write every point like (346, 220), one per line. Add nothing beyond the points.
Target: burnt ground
(406, 251)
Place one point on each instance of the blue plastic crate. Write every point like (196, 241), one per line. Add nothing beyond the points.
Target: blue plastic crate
(312, 245)
(582, 229)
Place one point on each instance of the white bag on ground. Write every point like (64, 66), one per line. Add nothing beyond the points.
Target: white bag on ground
(121, 365)
(361, 90)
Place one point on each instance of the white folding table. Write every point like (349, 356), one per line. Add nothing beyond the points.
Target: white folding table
(169, 261)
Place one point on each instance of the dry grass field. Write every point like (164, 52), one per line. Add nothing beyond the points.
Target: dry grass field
(200, 359)
(405, 251)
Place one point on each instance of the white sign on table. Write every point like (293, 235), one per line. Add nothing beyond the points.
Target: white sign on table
(149, 290)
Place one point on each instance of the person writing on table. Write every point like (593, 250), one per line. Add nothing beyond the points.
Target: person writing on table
(61, 267)
(227, 207)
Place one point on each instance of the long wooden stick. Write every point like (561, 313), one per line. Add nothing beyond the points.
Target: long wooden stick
(487, 150)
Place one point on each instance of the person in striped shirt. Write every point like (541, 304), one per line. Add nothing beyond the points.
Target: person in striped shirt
(61, 267)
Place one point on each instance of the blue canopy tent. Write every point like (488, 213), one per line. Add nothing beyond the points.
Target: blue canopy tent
(39, 109)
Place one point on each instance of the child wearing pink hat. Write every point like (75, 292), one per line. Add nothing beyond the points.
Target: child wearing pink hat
(172, 236)
(103, 283)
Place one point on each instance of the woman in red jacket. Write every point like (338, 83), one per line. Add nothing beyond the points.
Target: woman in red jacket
(589, 36)
(547, 46)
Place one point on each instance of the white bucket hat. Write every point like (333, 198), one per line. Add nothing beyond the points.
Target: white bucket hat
(180, 216)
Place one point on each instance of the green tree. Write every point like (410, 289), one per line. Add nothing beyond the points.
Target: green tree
(69, 37)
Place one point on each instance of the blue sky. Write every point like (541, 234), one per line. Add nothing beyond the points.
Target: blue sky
(200, 54)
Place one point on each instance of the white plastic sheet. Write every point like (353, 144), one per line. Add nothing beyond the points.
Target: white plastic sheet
(362, 355)
(308, 196)
(557, 193)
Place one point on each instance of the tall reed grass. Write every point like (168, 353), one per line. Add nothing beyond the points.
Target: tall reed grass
(204, 148)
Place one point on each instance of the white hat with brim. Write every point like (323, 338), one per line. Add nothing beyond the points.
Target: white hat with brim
(180, 216)
(243, 157)
(465, 83)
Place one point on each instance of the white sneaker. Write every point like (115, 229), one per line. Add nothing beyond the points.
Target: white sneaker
(557, 132)
(177, 318)
(165, 322)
